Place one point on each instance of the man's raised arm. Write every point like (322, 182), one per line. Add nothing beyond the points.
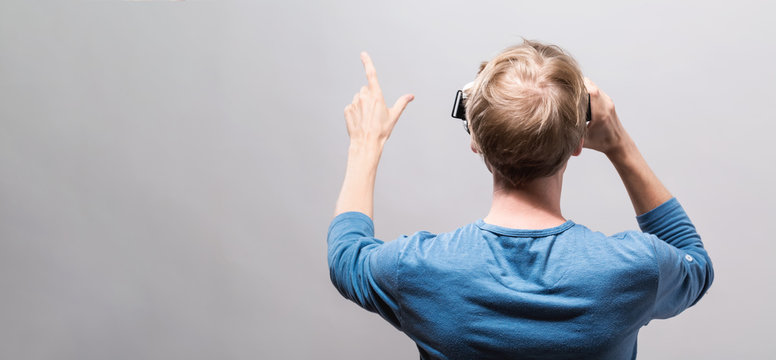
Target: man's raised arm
(606, 134)
(369, 123)
(684, 267)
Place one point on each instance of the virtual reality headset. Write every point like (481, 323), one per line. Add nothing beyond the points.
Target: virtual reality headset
(459, 106)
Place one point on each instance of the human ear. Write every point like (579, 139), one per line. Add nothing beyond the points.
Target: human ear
(579, 148)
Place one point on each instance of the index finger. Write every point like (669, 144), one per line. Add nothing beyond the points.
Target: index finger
(371, 73)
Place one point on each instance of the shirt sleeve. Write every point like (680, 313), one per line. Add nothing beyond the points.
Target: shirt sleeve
(363, 268)
(684, 267)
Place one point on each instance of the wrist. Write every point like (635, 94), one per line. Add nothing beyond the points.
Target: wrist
(622, 151)
(365, 148)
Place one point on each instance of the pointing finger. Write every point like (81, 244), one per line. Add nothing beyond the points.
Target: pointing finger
(371, 73)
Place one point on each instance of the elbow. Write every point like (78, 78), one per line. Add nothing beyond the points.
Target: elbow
(709, 270)
(707, 276)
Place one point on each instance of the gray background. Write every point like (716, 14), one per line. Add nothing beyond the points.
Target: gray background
(169, 169)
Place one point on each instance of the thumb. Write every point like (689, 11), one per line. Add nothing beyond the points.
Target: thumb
(400, 104)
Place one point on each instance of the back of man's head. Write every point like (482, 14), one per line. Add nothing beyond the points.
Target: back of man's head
(526, 110)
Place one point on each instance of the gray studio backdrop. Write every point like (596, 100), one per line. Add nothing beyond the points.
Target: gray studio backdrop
(168, 170)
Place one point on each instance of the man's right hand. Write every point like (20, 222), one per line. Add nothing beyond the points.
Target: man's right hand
(605, 132)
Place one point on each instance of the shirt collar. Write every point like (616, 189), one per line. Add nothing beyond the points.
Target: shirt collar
(524, 232)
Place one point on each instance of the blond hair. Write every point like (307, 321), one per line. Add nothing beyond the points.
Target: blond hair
(526, 110)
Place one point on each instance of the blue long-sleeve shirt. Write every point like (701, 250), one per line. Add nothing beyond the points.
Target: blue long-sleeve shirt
(489, 292)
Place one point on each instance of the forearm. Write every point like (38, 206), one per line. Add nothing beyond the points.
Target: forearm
(357, 193)
(646, 191)
(369, 122)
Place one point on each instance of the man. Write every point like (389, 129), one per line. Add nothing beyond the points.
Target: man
(523, 282)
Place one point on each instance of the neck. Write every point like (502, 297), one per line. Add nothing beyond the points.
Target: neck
(535, 205)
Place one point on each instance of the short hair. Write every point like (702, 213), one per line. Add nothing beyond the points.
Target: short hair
(527, 110)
